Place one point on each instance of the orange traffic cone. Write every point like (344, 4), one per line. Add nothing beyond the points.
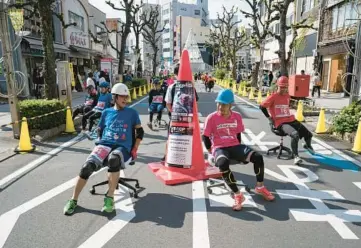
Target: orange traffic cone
(184, 159)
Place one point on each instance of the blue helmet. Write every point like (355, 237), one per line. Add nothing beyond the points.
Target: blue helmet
(104, 85)
(225, 97)
(155, 81)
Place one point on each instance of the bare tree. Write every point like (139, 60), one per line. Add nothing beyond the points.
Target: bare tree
(260, 25)
(129, 7)
(152, 35)
(229, 36)
(45, 9)
(139, 22)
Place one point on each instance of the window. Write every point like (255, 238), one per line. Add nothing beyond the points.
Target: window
(197, 12)
(344, 16)
(165, 11)
(289, 21)
(307, 5)
(79, 20)
(166, 50)
(183, 9)
(166, 40)
(98, 30)
(166, 22)
(277, 28)
(166, 30)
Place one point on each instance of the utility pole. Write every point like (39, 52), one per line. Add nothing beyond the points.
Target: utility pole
(355, 87)
(9, 70)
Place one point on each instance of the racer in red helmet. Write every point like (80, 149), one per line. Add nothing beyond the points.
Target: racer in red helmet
(281, 118)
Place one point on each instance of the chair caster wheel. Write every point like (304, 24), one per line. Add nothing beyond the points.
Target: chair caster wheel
(209, 191)
(137, 185)
(92, 191)
(248, 189)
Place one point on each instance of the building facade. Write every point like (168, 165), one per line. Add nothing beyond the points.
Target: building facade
(336, 40)
(145, 48)
(170, 10)
(77, 37)
(270, 58)
(97, 21)
(182, 27)
(32, 47)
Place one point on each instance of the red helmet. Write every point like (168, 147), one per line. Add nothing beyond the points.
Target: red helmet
(282, 81)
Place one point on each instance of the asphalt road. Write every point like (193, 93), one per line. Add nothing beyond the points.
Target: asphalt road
(317, 204)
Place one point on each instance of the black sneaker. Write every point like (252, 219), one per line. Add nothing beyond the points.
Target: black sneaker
(309, 148)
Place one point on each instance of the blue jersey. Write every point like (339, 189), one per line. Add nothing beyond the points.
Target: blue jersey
(118, 127)
(104, 102)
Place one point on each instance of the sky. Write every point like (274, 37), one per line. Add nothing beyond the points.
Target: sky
(214, 6)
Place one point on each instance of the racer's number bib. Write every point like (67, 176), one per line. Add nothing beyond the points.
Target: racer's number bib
(101, 105)
(157, 99)
(282, 111)
(101, 152)
(89, 102)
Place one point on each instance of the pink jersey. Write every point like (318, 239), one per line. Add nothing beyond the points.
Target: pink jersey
(223, 131)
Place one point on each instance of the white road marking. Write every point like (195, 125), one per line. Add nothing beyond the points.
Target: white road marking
(124, 214)
(38, 161)
(321, 213)
(9, 219)
(200, 218)
(358, 184)
(220, 197)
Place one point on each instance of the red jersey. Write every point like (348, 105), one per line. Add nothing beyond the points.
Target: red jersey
(279, 107)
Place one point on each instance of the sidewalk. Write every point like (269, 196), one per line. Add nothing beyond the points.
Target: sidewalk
(7, 142)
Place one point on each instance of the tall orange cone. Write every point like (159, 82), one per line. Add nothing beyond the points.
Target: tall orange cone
(198, 169)
(24, 143)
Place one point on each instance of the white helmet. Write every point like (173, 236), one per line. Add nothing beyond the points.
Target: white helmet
(120, 89)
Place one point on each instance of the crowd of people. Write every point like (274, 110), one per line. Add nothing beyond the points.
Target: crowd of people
(120, 133)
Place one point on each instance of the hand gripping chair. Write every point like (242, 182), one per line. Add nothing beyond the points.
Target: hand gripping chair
(122, 180)
(280, 147)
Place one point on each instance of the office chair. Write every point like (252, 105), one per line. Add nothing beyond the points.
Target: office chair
(122, 180)
(219, 183)
(280, 147)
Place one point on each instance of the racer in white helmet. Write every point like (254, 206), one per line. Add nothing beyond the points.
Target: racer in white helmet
(120, 133)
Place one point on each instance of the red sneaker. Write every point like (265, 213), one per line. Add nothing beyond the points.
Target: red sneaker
(238, 200)
(265, 193)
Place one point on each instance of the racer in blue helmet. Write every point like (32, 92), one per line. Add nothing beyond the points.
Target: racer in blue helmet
(104, 101)
(222, 138)
(156, 102)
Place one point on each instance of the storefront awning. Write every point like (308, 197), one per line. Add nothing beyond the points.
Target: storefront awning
(37, 44)
(79, 52)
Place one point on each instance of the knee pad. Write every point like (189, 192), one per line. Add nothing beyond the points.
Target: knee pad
(295, 135)
(116, 162)
(256, 158)
(87, 169)
(222, 163)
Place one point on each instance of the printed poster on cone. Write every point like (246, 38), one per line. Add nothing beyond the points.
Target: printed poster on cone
(180, 140)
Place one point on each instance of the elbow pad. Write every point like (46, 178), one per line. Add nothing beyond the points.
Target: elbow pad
(207, 142)
(139, 133)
